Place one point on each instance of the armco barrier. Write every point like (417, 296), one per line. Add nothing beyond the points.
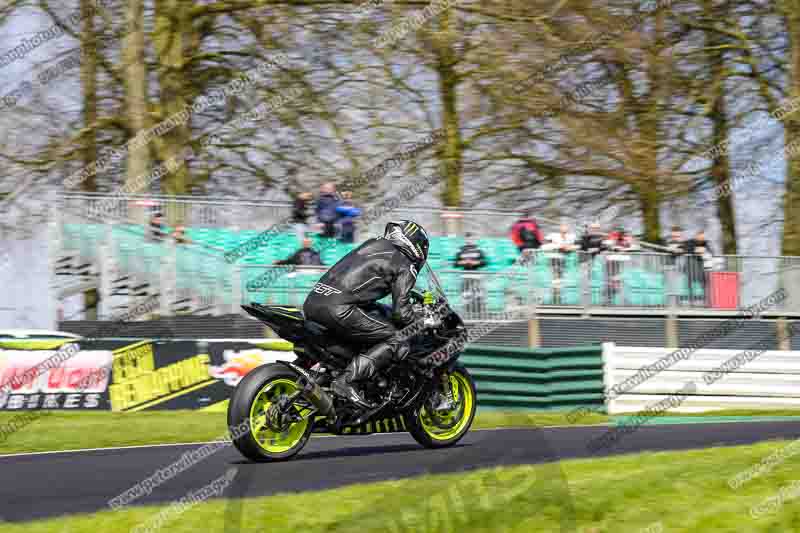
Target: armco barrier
(554, 378)
(750, 378)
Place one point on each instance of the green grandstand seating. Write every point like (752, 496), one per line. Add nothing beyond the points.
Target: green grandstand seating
(199, 271)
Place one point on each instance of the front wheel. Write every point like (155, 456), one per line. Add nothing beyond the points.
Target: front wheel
(442, 429)
(270, 435)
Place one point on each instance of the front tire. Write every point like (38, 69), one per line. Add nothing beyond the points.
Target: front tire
(248, 405)
(441, 431)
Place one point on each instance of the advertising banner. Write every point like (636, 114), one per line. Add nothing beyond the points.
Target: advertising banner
(161, 375)
(235, 360)
(47, 379)
(186, 374)
(132, 375)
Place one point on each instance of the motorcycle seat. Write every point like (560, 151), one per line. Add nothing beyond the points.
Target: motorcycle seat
(323, 339)
(293, 313)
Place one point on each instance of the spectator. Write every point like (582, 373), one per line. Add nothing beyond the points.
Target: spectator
(347, 216)
(470, 257)
(622, 242)
(180, 235)
(305, 256)
(593, 242)
(699, 245)
(699, 260)
(300, 214)
(525, 233)
(157, 230)
(563, 241)
(614, 239)
(326, 209)
(677, 250)
(676, 245)
(628, 243)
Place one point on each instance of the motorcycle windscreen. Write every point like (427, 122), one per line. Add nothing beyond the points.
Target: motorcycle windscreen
(427, 280)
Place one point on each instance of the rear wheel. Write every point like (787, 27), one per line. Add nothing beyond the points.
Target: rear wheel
(270, 434)
(437, 429)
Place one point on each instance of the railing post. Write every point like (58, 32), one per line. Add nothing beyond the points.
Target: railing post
(672, 288)
(608, 375)
(534, 335)
(782, 332)
(236, 297)
(585, 260)
(106, 267)
(54, 236)
(167, 278)
(671, 335)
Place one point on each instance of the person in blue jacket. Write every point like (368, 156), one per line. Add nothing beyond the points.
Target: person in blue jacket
(347, 217)
(327, 203)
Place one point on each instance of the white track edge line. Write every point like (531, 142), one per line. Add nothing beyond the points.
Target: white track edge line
(139, 446)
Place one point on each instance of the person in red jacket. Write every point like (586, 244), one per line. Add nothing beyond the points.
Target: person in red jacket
(525, 233)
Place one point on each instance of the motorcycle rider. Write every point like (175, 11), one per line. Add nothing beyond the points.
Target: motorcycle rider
(345, 301)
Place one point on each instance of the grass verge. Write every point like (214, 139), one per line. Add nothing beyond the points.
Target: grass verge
(665, 491)
(58, 430)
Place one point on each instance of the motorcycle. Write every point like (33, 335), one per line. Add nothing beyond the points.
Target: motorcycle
(428, 394)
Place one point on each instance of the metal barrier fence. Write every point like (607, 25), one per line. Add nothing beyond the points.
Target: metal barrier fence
(581, 281)
(192, 211)
(199, 273)
(238, 214)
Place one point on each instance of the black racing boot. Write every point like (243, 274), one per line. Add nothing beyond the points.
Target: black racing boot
(362, 368)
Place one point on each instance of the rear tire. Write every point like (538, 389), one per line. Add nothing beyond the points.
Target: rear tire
(248, 403)
(441, 432)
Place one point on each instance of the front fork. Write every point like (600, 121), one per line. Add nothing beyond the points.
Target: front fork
(442, 399)
(444, 381)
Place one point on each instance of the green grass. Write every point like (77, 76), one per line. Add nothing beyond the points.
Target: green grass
(59, 430)
(500, 419)
(745, 412)
(71, 430)
(684, 491)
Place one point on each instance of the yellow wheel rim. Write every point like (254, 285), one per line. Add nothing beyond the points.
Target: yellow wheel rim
(449, 424)
(270, 440)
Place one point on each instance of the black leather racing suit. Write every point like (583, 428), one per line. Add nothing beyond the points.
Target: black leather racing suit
(345, 298)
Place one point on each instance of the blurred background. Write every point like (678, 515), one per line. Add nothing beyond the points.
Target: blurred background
(670, 125)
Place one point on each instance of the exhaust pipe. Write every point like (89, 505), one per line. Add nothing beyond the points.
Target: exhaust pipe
(313, 392)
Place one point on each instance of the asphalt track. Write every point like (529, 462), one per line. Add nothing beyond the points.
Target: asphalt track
(44, 485)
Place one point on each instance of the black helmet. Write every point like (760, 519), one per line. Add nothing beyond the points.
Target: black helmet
(410, 238)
